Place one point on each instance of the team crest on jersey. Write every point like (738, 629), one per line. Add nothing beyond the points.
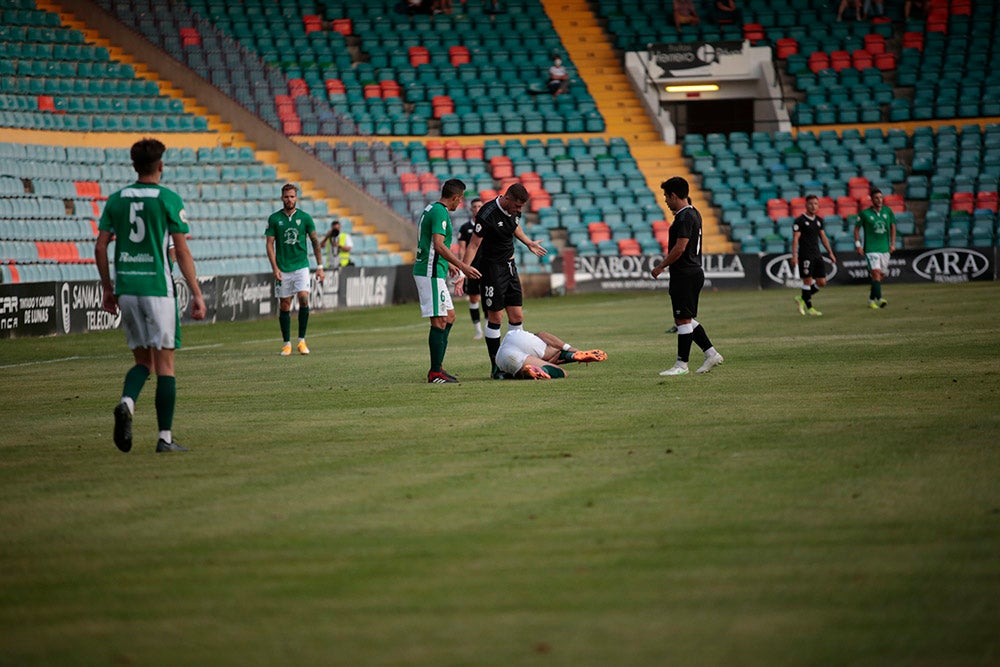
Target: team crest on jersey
(291, 237)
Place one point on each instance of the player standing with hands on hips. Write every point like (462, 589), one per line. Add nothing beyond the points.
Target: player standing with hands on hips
(686, 277)
(141, 218)
(431, 271)
(287, 231)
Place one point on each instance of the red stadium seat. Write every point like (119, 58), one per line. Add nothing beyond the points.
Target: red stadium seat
(453, 149)
(963, 201)
(987, 200)
(895, 202)
(435, 150)
(629, 247)
(885, 61)
(840, 60)
(913, 40)
(826, 206)
(473, 153)
(539, 199)
(818, 61)
(861, 59)
(858, 187)
(753, 32)
(459, 55)
(343, 26)
(786, 47)
(847, 206)
(419, 55)
(874, 44)
(777, 208)
(372, 90)
(798, 206)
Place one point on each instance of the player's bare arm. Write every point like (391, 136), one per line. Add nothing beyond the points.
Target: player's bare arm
(318, 250)
(271, 258)
(535, 247)
(186, 264)
(109, 302)
(672, 256)
(459, 264)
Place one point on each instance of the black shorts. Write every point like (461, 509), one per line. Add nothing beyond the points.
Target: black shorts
(812, 267)
(684, 293)
(471, 287)
(500, 286)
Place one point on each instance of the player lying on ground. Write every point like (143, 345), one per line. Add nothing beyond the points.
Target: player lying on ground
(527, 356)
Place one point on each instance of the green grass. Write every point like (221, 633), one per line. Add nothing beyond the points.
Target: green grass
(829, 496)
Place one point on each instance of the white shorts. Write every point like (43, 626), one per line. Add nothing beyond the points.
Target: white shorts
(150, 321)
(878, 261)
(292, 283)
(515, 347)
(435, 296)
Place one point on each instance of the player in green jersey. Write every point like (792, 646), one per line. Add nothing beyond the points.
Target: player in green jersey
(287, 231)
(142, 218)
(431, 270)
(879, 223)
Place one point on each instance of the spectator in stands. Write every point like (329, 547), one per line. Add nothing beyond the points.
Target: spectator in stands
(341, 245)
(558, 78)
(910, 5)
(807, 234)
(685, 13)
(878, 5)
(412, 7)
(879, 223)
(441, 7)
(727, 12)
(140, 218)
(844, 4)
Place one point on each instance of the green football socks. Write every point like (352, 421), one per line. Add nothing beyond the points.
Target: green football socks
(135, 379)
(166, 399)
(285, 321)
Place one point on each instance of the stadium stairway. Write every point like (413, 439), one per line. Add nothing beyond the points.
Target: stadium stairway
(587, 44)
(73, 14)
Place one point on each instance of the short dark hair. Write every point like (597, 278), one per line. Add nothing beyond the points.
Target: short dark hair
(452, 187)
(477, 199)
(873, 192)
(289, 186)
(675, 185)
(145, 154)
(517, 192)
(811, 196)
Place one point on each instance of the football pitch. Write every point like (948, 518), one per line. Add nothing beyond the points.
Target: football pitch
(830, 495)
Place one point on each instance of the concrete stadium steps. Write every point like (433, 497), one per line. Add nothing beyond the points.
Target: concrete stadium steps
(624, 114)
(219, 130)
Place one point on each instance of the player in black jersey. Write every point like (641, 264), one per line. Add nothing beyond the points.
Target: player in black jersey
(491, 251)
(807, 232)
(686, 277)
(471, 286)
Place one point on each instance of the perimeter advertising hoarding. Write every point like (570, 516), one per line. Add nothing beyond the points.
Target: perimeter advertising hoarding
(45, 309)
(595, 273)
(938, 265)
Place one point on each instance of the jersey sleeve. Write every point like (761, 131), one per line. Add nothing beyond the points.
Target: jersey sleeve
(176, 217)
(269, 227)
(106, 224)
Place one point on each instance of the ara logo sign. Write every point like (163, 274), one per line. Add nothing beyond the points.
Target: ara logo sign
(780, 270)
(951, 265)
